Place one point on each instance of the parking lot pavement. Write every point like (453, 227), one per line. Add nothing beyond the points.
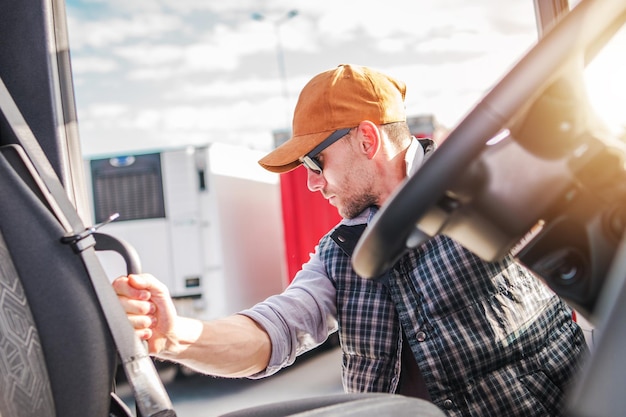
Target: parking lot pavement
(197, 395)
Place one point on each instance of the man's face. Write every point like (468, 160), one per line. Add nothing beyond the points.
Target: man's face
(346, 181)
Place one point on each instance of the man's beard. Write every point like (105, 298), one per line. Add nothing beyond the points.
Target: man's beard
(357, 204)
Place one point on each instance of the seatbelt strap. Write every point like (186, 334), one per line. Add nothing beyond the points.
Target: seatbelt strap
(150, 395)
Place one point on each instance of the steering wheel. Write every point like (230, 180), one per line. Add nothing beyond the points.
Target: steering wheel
(393, 229)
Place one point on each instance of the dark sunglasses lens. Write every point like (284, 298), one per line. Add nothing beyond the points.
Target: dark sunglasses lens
(312, 165)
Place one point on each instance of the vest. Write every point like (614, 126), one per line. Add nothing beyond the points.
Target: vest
(488, 338)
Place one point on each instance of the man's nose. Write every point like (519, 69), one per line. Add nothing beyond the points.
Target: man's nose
(314, 181)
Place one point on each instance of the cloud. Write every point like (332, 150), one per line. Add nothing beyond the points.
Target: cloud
(93, 64)
(226, 90)
(99, 34)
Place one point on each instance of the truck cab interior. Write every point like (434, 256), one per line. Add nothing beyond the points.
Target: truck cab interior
(535, 168)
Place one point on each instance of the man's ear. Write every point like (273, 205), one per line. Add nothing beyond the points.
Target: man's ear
(369, 138)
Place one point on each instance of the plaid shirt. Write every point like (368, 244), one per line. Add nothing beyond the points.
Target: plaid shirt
(489, 338)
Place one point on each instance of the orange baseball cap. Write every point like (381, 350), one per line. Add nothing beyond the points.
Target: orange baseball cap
(337, 99)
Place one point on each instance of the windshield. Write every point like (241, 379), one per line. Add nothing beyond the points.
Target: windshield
(163, 74)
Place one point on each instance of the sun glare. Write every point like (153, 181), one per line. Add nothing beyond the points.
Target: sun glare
(606, 84)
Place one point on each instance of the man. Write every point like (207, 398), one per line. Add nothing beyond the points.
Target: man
(475, 338)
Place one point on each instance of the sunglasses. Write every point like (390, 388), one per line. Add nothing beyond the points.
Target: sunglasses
(311, 161)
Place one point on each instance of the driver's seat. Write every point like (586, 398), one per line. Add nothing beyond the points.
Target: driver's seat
(57, 357)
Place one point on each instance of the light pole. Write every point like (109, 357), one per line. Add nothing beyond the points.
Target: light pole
(280, 55)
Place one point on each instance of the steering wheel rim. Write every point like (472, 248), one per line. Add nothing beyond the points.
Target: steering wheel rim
(384, 241)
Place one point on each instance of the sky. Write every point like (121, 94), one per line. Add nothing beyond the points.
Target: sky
(153, 74)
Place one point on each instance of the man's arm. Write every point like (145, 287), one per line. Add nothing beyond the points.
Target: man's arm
(234, 346)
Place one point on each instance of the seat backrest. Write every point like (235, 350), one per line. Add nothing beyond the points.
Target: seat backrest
(24, 383)
(72, 365)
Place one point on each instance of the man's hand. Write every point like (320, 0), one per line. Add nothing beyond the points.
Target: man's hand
(149, 308)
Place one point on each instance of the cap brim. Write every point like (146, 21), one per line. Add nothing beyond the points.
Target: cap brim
(287, 156)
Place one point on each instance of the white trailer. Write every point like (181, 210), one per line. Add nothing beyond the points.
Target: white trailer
(205, 220)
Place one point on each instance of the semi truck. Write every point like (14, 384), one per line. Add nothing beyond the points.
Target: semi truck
(206, 220)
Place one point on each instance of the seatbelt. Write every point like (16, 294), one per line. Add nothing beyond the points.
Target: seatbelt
(150, 396)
